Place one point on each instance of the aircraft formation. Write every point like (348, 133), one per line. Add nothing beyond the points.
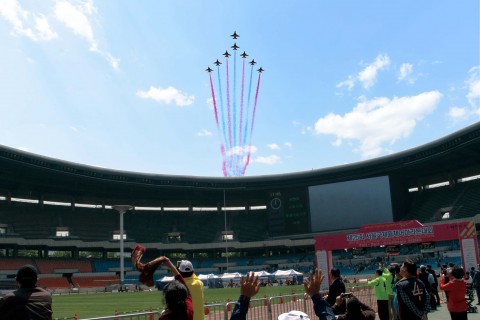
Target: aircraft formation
(234, 47)
(234, 107)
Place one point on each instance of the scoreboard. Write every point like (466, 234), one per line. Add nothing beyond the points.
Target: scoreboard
(288, 212)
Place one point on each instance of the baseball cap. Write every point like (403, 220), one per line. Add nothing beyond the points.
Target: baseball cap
(185, 266)
(294, 315)
(27, 273)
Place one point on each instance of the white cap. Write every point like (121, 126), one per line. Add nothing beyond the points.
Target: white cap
(294, 315)
(185, 266)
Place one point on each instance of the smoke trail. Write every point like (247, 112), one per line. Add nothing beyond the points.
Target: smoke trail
(222, 148)
(253, 122)
(229, 116)
(248, 106)
(240, 142)
(234, 98)
(222, 107)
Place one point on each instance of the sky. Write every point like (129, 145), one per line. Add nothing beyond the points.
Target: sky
(122, 84)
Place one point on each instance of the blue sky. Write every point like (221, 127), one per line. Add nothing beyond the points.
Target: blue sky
(122, 84)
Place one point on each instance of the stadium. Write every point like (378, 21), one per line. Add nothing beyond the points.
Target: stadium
(71, 220)
(61, 216)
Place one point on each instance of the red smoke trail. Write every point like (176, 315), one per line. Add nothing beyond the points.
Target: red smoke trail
(222, 148)
(253, 121)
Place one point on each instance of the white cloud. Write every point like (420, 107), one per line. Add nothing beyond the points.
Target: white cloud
(349, 83)
(168, 95)
(32, 25)
(473, 83)
(76, 18)
(273, 146)
(368, 76)
(376, 122)
(288, 144)
(458, 113)
(270, 160)
(204, 133)
(210, 104)
(406, 70)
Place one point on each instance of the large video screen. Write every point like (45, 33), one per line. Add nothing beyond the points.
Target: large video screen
(350, 204)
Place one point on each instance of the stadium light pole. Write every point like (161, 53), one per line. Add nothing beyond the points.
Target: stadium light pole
(225, 220)
(122, 209)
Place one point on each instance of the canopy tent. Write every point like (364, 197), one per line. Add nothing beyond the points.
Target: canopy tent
(262, 274)
(286, 273)
(210, 280)
(231, 276)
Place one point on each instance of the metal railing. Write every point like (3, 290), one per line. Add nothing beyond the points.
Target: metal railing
(259, 309)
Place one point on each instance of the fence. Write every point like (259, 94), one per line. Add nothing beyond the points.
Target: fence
(260, 308)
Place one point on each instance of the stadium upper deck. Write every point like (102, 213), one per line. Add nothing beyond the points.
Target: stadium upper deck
(30, 176)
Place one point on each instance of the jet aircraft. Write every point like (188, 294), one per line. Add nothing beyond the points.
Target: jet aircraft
(235, 47)
(226, 54)
(260, 70)
(209, 70)
(244, 55)
(217, 63)
(234, 35)
(253, 62)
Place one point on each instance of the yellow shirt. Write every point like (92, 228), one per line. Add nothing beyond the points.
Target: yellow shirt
(195, 286)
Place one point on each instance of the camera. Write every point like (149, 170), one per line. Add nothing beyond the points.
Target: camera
(346, 295)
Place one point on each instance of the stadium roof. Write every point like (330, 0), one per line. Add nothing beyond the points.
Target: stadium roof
(31, 176)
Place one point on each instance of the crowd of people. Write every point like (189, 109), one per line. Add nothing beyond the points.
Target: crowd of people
(402, 292)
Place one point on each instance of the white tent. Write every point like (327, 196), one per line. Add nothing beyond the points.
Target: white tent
(231, 276)
(286, 273)
(261, 274)
(207, 276)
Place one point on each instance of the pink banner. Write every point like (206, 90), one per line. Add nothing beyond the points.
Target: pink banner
(403, 232)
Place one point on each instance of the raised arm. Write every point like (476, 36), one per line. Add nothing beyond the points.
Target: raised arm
(249, 288)
(312, 288)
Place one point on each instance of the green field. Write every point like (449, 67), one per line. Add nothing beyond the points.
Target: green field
(105, 304)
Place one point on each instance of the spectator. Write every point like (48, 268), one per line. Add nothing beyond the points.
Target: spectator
(177, 297)
(355, 310)
(413, 300)
(178, 300)
(250, 287)
(397, 277)
(195, 286)
(476, 284)
(336, 288)
(381, 294)
(434, 285)
(427, 280)
(468, 278)
(29, 301)
(456, 288)
(388, 274)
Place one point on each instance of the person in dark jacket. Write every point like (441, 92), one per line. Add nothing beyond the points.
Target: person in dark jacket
(29, 301)
(435, 284)
(336, 288)
(413, 299)
(356, 310)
